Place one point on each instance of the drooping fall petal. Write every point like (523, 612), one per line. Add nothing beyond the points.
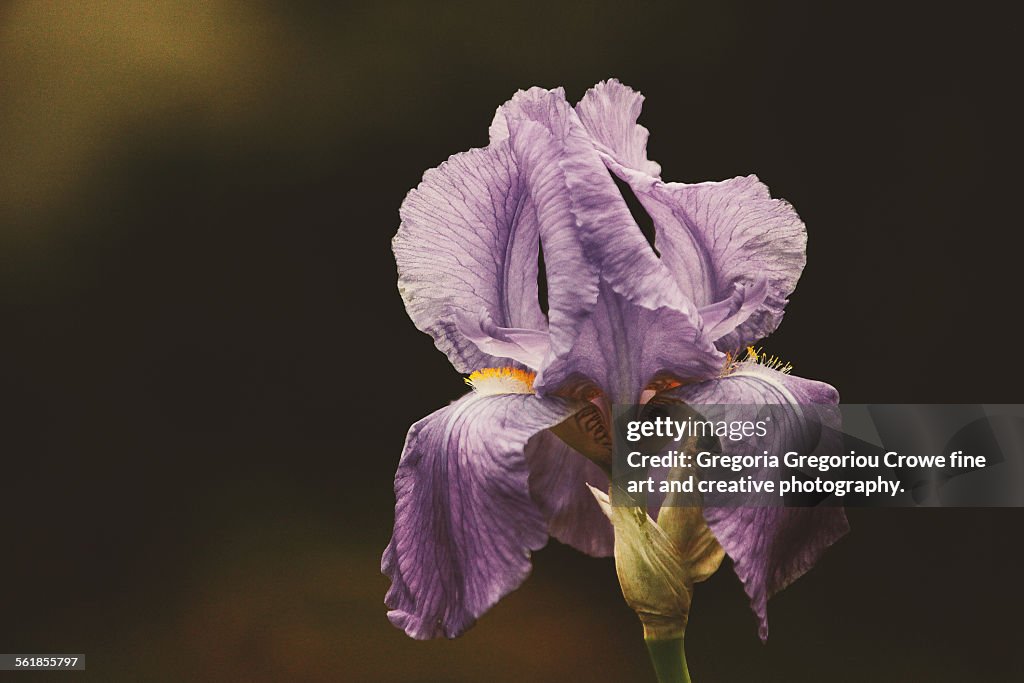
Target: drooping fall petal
(465, 522)
(771, 546)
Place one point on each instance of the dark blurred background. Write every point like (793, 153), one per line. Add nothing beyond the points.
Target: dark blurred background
(206, 371)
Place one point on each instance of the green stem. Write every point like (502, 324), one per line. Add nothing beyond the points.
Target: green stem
(669, 660)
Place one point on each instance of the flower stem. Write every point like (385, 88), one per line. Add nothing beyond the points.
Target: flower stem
(669, 660)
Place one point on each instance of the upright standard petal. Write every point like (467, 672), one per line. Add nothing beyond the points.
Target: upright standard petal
(609, 111)
(718, 237)
(571, 277)
(468, 243)
(612, 242)
(546, 107)
(465, 522)
(770, 546)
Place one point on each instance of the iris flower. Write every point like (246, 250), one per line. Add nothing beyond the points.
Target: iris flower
(488, 479)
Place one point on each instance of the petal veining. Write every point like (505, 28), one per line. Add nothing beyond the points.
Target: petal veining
(465, 523)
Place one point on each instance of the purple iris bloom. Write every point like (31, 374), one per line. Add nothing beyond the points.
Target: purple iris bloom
(488, 479)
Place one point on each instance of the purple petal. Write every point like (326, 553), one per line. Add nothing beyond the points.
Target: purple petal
(558, 482)
(622, 346)
(546, 107)
(464, 519)
(613, 244)
(770, 546)
(571, 277)
(715, 236)
(725, 316)
(528, 347)
(468, 242)
(609, 112)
